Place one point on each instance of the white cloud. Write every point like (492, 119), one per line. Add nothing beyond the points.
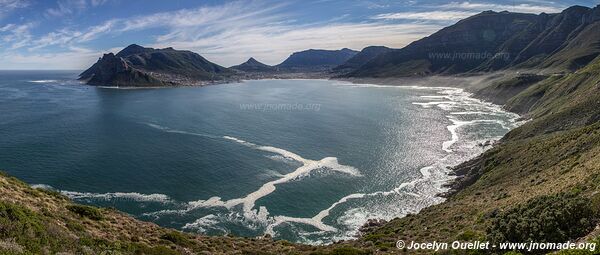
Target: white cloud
(227, 34)
(272, 44)
(70, 7)
(65, 7)
(231, 33)
(16, 36)
(73, 58)
(550, 7)
(98, 2)
(455, 11)
(8, 6)
(432, 15)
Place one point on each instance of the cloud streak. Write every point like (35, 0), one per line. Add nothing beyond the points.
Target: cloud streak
(8, 6)
(455, 11)
(432, 15)
(525, 8)
(231, 32)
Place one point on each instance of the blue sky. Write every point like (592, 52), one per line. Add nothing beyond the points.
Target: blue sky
(72, 34)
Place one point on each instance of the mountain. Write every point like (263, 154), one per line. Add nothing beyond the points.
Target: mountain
(253, 65)
(137, 66)
(492, 41)
(361, 58)
(316, 59)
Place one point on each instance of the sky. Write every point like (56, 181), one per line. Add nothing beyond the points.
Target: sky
(73, 34)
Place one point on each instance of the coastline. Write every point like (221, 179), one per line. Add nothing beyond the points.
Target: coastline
(450, 176)
(450, 206)
(464, 173)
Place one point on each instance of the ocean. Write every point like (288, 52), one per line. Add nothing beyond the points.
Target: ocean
(303, 160)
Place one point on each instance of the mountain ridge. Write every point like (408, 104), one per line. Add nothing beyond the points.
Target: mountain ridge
(362, 57)
(316, 59)
(493, 41)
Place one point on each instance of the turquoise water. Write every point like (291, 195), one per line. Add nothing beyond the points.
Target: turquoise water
(303, 160)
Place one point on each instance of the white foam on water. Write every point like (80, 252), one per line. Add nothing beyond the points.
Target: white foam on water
(43, 81)
(248, 202)
(42, 186)
(456, 124)
(131, 196)
(203, 223)
(175, 131)
(423, 190)
(330, 163)
(436, 97)
(316, 221)
(435, 103)
(112, 196)
(476, 113)
(413, 195)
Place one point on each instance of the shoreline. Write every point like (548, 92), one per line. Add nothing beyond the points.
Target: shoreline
(454, 176)
(454, 180)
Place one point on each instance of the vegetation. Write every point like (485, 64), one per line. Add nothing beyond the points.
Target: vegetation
(558, 218)
(86, 211)
(500, 91)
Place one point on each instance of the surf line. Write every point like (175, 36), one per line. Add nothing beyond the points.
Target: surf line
(248, 202)
(317, 220)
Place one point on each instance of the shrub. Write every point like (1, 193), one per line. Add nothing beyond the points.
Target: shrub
(24, 226)
(86, 211)
(557, 218)
(176, 238)
(74, 226)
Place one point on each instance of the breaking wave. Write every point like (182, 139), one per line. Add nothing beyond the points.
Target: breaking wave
(111, 196)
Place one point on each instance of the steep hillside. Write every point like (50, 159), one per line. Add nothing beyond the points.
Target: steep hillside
(509, 86)
(492, 41)
(136, 66)
(361, 58)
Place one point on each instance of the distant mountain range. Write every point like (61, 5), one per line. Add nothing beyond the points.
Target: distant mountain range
(137, 66)
(486, 42)
(492, 41)
(361, 58)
